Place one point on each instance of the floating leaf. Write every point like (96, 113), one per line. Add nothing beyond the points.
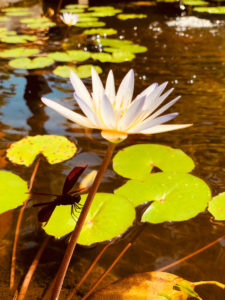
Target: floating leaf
(116, 57)
(41, 22)
(90, 24)
(55, 148)
(72, 10)
(27, 63)
(82, 71)
(145, 286)
(109, 216)
(101, 31)
(70, 55)
(137, 161)
(124, 45)
(18, 13)
(195, 2)
(13, 191)
(211, 10)
(18, 52)
(174, 196)
(101, 8)
(17, 39)
(217, 207)
(109, 13)
(131, 16)
(3, 18)
(71, 6)
(87, 19)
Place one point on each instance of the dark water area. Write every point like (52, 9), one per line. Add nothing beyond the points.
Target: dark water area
(190, 55)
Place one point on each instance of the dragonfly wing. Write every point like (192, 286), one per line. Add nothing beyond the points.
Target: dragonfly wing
(72, 178)
(45, 213)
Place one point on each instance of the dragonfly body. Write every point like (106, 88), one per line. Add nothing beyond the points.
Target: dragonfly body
(72, 198)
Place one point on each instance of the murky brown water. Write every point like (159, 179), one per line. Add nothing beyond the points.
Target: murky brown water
(193, 61)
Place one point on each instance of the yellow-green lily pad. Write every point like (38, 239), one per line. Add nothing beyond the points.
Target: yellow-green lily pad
(70, 55)
(82, 71)
(111, 45)
(211, 10)
(137, 161)
(100, 31)
(18, 52)
(173, 196)
(109, 216)
(90, 24)
(13, 191)
(3, 18)
(131, 16)
(115, 57)
(217, 207)
(17, 39)
(54, 148)
(195, 2)
(27, 63)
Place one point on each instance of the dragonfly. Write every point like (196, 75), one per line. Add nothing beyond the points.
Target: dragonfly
(66, 198)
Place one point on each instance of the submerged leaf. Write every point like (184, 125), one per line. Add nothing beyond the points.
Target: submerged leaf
(109, 216)
(144, 286)
(217, 207)
(174, 196)
(54, 147)
(13, 191)
(27, 63)
(137, 161)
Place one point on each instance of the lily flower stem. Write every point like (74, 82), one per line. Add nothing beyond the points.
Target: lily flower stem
(75, 234)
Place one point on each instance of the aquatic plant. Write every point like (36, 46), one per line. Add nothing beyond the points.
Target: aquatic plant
(69, 18)
(116, 115)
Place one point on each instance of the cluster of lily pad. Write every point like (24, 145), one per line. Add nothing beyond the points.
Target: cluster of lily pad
(114, 50)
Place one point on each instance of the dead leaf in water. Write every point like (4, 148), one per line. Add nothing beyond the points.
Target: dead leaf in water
(147, 286)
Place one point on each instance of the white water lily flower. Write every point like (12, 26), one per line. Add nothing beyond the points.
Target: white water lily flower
(115, 114)
(69, 18)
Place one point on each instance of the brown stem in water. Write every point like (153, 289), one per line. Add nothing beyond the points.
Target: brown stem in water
(190, 255)
(59, 6)
(107, 271)
(19, 220)
(89, 270)
(115, 261)
(32, 269)
(75, 234)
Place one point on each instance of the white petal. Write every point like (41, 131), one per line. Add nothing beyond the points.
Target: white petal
(148, 90)
(107, 113)
(80, 88)
(148, 123)
(87, 111)
(164, 108)
(113, 137)
(69, 114)
(132, 113)
(125, 91)
(97, 88)
(110, 87)
(163, 128)
(152, 100)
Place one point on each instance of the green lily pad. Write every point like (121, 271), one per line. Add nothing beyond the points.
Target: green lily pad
(18, 13)
(87, 19)
(4, 32)
(103, 14)
(17, 39)
(211, 10)
(3, 18)
(70, 55)
(195, 2)
(15, 9)
(71, 6)
(100, 31)
(116, 57)
(72, 10)
(112, 45)
(109, 216)
(90, 24)
(137, 161)
(18, 52)
(41, 22)
(55, 148)
(13, 191)
(131, 16)
(82, 71)
(217, 207)
(174, 196)
(27, 63)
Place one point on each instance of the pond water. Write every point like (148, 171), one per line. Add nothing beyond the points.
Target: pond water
(185, 48)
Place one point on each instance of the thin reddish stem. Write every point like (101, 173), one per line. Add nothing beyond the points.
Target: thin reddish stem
(32, 269)
(75, 234)
(19, 220)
